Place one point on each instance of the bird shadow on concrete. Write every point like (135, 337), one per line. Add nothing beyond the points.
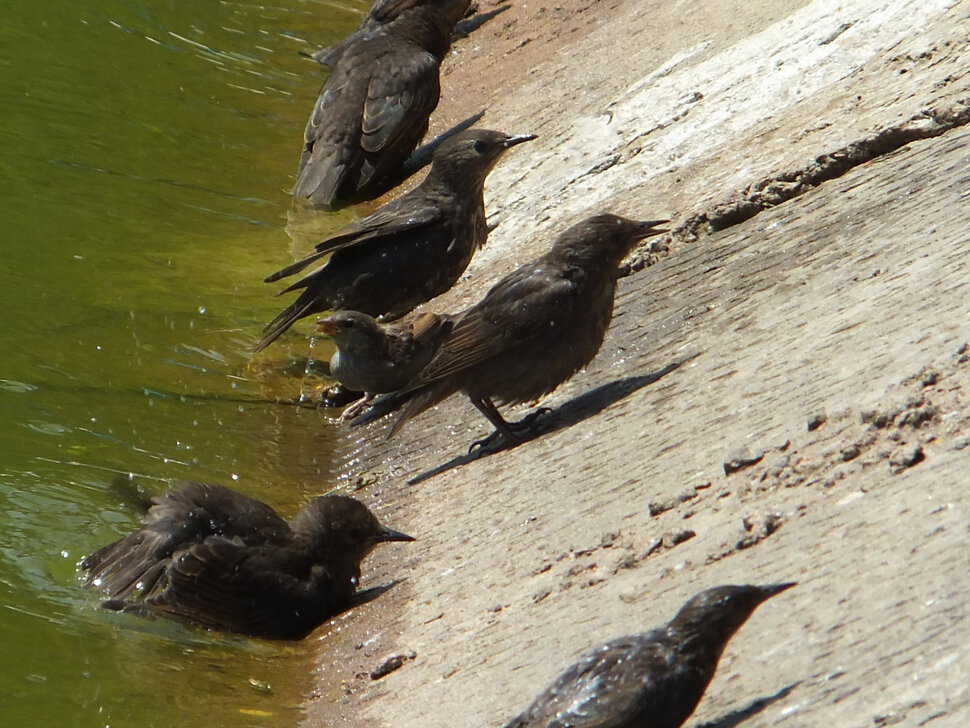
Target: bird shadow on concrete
(368, 595)
(566, 415)
(466, 27)
(736, 717)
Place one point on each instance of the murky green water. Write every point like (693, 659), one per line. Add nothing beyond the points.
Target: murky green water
(146, 152)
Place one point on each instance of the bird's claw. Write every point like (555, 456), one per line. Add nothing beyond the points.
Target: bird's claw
(512, 435)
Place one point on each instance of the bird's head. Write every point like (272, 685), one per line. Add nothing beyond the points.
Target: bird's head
(467, 157)
(352, 331)
(720, 612)
(342, 527)
(605, 237)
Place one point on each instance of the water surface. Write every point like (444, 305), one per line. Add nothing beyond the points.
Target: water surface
(147, 152)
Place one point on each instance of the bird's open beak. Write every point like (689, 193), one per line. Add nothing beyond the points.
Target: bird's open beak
(513, 139)
(648, 228)
(328, 327)
(389, 534)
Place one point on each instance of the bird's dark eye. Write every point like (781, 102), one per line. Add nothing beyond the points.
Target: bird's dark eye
(348, 324)
(478, 146)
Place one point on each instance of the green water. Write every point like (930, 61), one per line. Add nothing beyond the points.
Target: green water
(146, 152)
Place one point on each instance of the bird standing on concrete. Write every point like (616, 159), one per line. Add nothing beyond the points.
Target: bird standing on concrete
(220, 559)
(532, 331)
(650, 680)
(374, 108)
(375, 358)
(409, 250)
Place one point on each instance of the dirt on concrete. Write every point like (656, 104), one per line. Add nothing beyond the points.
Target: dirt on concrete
(783, 394)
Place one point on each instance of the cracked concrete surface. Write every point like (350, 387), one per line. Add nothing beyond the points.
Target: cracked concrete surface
(819, 345)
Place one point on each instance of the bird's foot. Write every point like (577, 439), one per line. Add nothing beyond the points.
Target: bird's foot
(515, 433)
(356, 408)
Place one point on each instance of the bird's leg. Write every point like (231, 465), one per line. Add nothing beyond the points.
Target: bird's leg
(512, 431)
(502, 428)
(357, 407)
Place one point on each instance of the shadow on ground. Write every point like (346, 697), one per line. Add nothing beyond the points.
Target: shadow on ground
(568, 414)
(736, 717)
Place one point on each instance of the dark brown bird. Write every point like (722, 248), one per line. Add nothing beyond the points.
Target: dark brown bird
(374, 108)
(409, 250)
(381, 14)
(532, 331)
(650, 680)
(375, 358)
(220, 559)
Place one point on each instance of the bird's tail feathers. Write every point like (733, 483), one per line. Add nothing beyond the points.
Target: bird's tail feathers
(294, 268)
(290, 315)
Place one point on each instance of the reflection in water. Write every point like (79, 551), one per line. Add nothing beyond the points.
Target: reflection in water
(148, 149)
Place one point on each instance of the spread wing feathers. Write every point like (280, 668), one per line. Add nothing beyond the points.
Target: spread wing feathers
(604, 689)
(129, 565)
(524, 305)
(175, 521)
(209, 585)
(392, 219)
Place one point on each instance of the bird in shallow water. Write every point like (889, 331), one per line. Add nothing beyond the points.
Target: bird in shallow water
(220, 559)
(409, 250)
(375, 358)
(649, 680)
(374, 108)
(531, 332)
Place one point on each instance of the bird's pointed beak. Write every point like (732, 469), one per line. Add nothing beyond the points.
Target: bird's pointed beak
(771, 590)
(327, 326)
(648, 228)
(512, 139)
(389, 534)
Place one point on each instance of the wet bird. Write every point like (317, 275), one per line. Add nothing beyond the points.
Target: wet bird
(409, 250)
(649, 680)
(375, 358)
(374, 108)
(531, 332)
(220, 559)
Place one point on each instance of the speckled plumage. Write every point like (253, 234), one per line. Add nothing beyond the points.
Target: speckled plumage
(533, 329)
(650, 680)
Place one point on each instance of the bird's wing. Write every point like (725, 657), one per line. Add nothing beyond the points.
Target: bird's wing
(196, 511)
(331, 145)
(217, 584)
(406, 213)
(604, 689)
(523, 305)
(177, 520)
(400, 97)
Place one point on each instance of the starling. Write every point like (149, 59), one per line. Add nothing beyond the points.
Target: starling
(374, 358)
(220, 559)
(532, 331)
(381, 14)
(374, 108)
(649, 680)
(409, 250)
